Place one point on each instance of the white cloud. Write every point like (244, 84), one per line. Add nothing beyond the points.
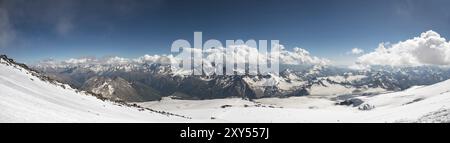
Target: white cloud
(116, 60)
(356, 51)
(298, 56)
(301, 56)
(80, 61)
(161, 59)
(427, 49)
(147, 59)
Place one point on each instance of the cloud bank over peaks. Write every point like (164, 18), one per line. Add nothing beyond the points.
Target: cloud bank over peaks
(427, 49)
(298, 56)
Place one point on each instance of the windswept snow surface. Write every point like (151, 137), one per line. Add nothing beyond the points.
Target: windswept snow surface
(417, 104)
(26, 98)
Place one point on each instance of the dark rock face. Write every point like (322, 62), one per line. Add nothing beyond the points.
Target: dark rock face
(117, 88)
(355, 102)
(160, 82)
(366, 107)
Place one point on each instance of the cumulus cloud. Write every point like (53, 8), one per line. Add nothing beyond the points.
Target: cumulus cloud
(427, 49)
(111, 60)
(160, 59)
(147, 59)
(356, 51)
(301, 56)
(80, 60)
(208, 60)
(298, 56)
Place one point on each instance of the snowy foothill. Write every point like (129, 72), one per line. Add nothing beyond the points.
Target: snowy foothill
(418, 104)
(27, 98)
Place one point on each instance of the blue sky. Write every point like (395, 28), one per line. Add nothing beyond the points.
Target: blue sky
(63, 29)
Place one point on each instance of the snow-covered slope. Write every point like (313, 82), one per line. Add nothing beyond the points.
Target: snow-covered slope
(26, 98)
(417, 104)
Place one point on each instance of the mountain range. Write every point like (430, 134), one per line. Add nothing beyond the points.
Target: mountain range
(149, 81)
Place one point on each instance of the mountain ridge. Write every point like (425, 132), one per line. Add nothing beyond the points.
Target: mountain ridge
(291, 81)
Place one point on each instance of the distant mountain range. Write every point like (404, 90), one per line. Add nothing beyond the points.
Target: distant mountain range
(147, 81)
